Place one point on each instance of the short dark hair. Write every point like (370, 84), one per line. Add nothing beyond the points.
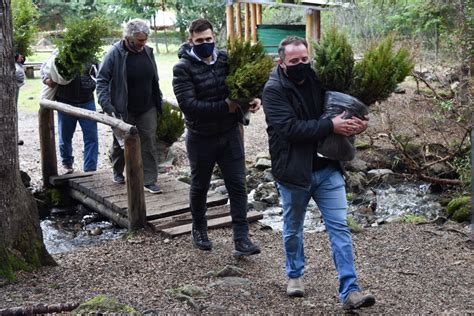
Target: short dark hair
(199, 25)
(295, 40)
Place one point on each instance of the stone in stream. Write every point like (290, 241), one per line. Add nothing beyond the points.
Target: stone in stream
(263, 163)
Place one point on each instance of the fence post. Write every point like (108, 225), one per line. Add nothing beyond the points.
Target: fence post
(49, 165)
(134, 172)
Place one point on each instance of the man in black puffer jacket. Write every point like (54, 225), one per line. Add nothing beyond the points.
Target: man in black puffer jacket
(213, 133)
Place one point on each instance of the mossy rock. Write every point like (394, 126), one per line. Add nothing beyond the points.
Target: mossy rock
(103, 304)
(353, 225)
(188, 290)
(360, 145)
(413, 218)
(459, 209)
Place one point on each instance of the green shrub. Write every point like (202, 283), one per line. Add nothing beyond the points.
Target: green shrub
(372, 79)
(170, 124)
(24, 17)
(334, 61)
(80, 44)
(249, 69)
(378, 73)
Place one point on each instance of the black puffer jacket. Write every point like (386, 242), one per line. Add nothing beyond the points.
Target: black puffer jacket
(293, 132)
(201, 92)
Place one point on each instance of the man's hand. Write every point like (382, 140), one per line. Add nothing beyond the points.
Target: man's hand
(50, 83)
(255, 105)
(349, 127)
(232, 105)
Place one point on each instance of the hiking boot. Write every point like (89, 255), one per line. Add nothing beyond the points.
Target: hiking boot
(200, 238)
(244, 247)
(356, 300)
(119, 178)
(295, 287)
(68, 169)
(153, 188)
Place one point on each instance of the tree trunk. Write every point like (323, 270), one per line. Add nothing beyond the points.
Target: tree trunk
(21, 239)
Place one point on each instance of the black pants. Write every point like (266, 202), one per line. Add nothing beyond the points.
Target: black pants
(227, 150)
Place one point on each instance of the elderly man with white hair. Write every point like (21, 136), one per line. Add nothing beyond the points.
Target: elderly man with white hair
(128, 88)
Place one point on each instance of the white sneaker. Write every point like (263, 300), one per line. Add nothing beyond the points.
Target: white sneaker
(295, 287)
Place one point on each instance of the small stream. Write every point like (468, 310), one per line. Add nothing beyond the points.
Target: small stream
(66, 230)
(392, 203)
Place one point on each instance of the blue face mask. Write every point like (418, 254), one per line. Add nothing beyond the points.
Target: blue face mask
(204, 50)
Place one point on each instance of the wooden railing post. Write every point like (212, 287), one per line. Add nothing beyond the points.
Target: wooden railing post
(134, 172)
(49, 165)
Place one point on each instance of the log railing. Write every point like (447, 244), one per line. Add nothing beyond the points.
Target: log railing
(133, 159)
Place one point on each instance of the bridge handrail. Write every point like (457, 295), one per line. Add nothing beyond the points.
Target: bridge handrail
(91, 115)
(132, 152)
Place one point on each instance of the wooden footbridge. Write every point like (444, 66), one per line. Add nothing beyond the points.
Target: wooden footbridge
(128, 204)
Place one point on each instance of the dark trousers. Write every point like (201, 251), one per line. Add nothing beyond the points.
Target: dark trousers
(227, 150)
(146, 124)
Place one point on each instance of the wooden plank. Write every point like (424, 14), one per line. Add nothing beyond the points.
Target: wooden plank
(212, 223)
(100, 208)
(168, 196)
(186, 218)
(63, 179)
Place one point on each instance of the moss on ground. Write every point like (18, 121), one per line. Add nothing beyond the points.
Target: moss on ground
(103, 304)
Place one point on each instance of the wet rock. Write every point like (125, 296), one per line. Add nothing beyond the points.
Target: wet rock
(356, 182)
(257, 205)
(262, 155)
(380, 175)
(95, 231)
(266, 192)
(268, 176)
(356, 165)
(263, 163)
(222, 190)
(25, 179)
(439, 168)
(217, 183)
(252, 181)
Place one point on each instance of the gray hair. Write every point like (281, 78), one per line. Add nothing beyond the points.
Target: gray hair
(135, 26)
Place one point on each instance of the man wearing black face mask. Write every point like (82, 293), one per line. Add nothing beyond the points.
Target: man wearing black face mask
(293, 103)
(213, 133)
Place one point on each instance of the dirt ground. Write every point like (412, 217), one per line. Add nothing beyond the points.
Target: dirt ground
(409, 268)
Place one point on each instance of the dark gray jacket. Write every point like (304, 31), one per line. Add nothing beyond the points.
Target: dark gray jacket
(112, 90)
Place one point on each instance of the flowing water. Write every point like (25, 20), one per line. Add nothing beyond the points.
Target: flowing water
(392, 203)
(65, 232)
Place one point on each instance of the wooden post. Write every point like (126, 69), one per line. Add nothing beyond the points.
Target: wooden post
(230, 21)
(309, 30)
(238, 21)
(134, 172)
(259, 14)
(49, 164)
(253, 22)
(317, 17)
(247, 22)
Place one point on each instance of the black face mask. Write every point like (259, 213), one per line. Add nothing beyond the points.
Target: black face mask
(204, 50)
(297, 73)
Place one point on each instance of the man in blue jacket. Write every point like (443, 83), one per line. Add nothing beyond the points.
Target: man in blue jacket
(213, 133)
(128, 88)
(293, 103)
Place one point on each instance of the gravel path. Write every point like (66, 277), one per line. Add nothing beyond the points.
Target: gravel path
(410, 268)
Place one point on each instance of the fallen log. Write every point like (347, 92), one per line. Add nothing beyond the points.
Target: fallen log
(39, 309)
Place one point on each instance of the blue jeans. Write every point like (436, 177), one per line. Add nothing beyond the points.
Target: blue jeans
(67, 127)
(328, 191)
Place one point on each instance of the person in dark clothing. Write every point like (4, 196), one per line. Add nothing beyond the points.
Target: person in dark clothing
(293, 103)
(128, 88)
(213, 133)
(79, 93)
